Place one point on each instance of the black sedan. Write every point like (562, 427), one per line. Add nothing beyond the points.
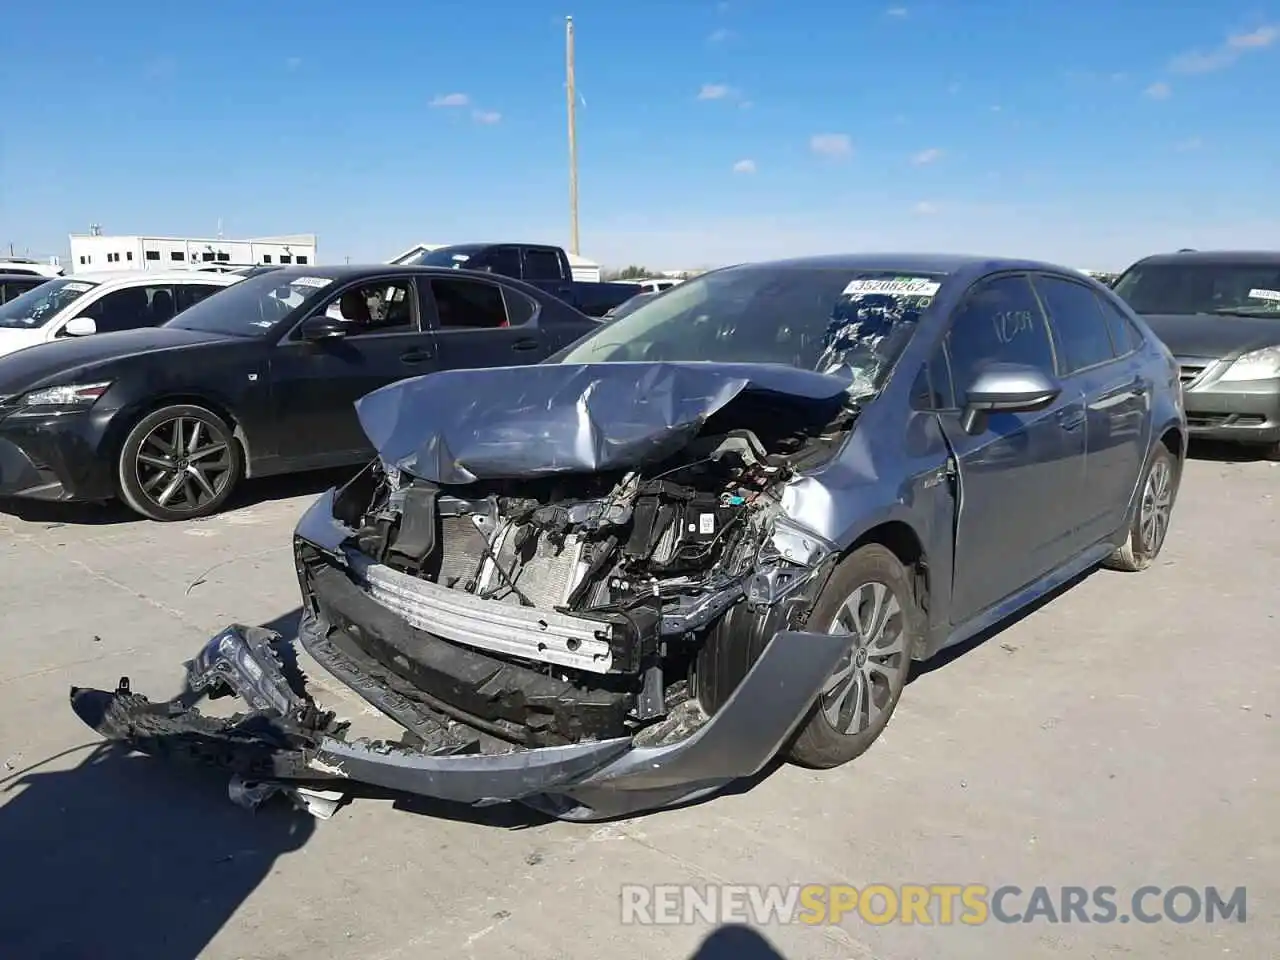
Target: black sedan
(259, 379)
(1219, 312)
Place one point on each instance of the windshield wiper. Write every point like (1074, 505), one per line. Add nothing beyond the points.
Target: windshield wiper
(1246, 311)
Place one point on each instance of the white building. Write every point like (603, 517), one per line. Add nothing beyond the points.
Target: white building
(584, 270)
(94, 251)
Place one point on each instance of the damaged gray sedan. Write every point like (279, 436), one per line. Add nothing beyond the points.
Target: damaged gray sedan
(712, 533)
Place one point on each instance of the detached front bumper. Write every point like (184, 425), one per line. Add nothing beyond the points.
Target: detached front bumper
(286, 739)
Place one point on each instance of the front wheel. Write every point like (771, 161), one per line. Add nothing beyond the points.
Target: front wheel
(178, 463)
(1150, 522)
(870, 597)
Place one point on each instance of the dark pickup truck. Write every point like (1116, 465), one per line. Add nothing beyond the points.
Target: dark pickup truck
(543, 266)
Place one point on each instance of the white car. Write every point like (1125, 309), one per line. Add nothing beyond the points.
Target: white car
(77, 306)
(26, 265)
(655, 284)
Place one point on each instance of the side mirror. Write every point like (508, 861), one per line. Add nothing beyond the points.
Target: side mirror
(1007, 388)
(323, 327)
(80, 327)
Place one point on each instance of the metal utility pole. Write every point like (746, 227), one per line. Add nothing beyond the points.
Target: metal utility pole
(573, 136)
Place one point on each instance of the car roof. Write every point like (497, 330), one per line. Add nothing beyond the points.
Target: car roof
(927, 263)
(126, 278)
(341, 273)
(5, 276)
(1238, 257)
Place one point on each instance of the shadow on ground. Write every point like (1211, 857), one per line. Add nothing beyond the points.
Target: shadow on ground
(735, 942)
(1222, 452)
(122, 857)
(250, 493)
(952, 654)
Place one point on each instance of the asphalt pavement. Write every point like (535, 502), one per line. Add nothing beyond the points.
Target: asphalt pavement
(1122, 735)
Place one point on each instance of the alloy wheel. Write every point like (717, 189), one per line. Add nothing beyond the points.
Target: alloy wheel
(1157, 503)
(860, 689)
(182, 464)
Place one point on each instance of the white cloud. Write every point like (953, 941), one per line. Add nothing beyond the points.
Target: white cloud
(1186, 146)
(451, 100)
(715, 91)
(744, 166)
(1226, 53)
(924, 208)
(896, 12)
(487, 117)
(927, 156)
(1159, 91)
(831, 144)
(293, 63)
(720, 35)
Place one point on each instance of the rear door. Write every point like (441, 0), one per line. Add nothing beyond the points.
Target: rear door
(189, 294)
(482, 323)
(1116, 397)
(1019, 473)
(315, 385)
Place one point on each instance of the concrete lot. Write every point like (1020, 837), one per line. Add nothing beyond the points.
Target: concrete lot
(1124, 734)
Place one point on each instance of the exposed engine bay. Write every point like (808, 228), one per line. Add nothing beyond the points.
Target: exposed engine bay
(609, 587)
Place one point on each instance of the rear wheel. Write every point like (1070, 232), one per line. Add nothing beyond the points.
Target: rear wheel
(870, 597)
(178, 463)
(1150, 521)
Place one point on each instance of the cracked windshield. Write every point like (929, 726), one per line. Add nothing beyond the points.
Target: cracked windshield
(851, 325)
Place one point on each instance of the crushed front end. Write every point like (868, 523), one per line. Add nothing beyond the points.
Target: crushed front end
(590, 642)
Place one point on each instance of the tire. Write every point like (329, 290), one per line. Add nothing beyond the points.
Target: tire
(826, 739)
(217, 460)
(1142, 542)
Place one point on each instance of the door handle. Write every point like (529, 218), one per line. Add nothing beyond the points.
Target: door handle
(416, 355)
(1070, 419)
(526, 344)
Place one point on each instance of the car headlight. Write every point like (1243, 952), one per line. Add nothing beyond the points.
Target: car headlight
(1261, 364)
(72, 396)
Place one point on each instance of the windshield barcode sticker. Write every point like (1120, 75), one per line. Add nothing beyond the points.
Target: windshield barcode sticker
(78, 287)
(1260, 294)
(904, 287)
(316, 282)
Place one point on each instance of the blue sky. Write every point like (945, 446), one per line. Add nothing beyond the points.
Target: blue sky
(1086, 132)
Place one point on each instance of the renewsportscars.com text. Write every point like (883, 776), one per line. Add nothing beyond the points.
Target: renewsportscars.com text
(929, 904)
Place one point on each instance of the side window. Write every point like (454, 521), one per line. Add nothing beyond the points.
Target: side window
(542, 264)
(501, 260)
(189, 294)
(1124, 334)
(999, 322)
(520, 309)
(1076, 316)
(131, 308)
(469, 304)
(382, 307)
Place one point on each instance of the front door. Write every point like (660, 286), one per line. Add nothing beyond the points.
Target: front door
(483, 323)
(315, 385)
(1019, 473)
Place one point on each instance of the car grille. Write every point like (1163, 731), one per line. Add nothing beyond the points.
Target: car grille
(1191, 369)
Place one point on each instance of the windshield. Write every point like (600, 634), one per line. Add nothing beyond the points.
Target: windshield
(253, 306)
(455, 256)
(853, 324)
(1226, 288)
(38, 305)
